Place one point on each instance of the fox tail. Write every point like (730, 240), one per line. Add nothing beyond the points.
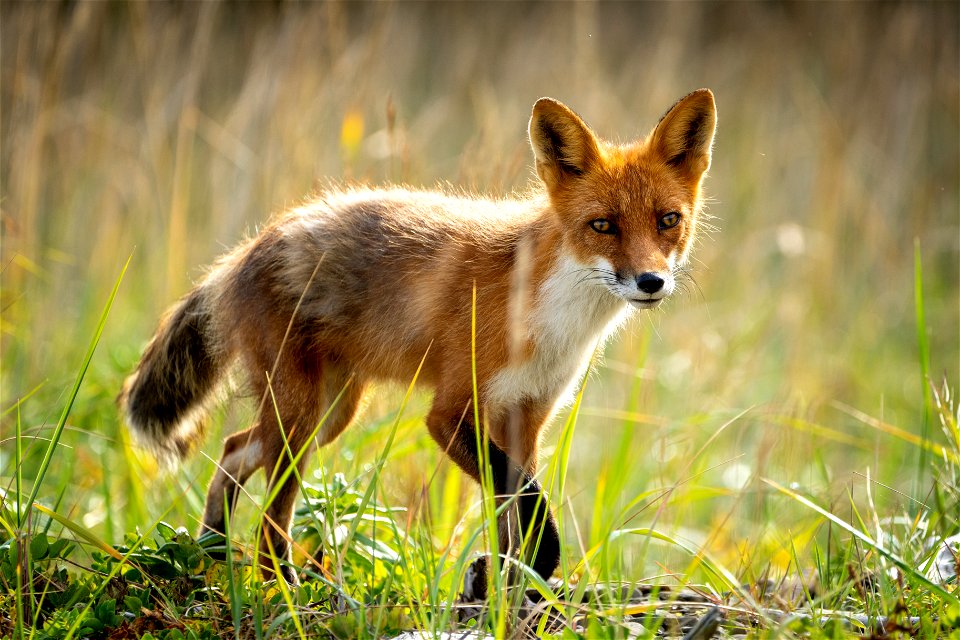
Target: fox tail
(166, 398)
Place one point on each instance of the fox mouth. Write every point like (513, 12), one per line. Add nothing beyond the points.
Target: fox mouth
(645, 303)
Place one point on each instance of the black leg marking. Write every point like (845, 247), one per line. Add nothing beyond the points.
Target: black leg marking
(531, 508)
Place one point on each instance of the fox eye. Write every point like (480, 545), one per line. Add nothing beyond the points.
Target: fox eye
(602, 225)
(668, 220)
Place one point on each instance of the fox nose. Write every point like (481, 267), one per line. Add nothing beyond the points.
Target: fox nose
(649, 282)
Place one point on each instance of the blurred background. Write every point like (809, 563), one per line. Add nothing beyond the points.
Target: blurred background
(170, 131)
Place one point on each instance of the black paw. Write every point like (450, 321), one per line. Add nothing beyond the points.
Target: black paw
(475, 582)
(289, 575)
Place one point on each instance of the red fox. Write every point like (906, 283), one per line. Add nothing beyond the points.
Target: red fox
(359, 285)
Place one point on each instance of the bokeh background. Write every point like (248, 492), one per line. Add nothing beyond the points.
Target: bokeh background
(169, 131)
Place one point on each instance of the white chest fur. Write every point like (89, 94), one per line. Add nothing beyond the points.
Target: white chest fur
(571, 314)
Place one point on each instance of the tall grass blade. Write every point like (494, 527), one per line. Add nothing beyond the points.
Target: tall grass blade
(920, 442)
(17, 539)
(283, 586)
(18, 467)
(16, 405)
(61, 423)
(81, 531)
(923, 350)
(557, 476)
(233, 588)
(496, 596)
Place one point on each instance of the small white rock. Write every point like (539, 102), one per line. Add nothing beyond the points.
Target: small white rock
(944, 565)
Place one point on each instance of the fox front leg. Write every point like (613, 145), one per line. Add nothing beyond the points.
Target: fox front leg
(530, 515)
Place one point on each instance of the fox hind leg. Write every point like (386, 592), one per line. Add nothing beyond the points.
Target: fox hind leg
(311, 414)
(242, 456)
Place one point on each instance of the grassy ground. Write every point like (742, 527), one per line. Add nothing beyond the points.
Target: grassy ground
(793, 381)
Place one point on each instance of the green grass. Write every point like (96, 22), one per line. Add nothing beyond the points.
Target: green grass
(789, 419)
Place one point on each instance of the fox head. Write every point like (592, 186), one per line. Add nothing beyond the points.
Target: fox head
(627, 212)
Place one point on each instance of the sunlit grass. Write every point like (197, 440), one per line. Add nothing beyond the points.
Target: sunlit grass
(822, 313)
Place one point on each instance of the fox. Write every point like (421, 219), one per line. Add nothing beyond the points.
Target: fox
(502, 299)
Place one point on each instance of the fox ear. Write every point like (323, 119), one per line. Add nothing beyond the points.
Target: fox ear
(563, 145)
(684, 135)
